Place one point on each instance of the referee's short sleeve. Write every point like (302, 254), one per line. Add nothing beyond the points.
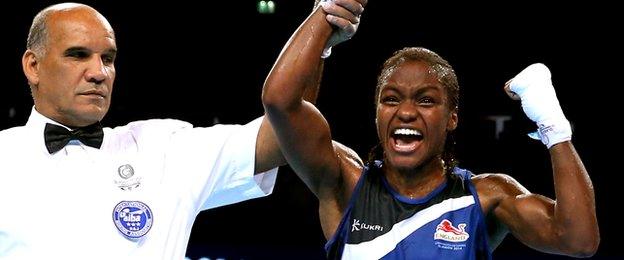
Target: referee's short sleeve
(214, 166)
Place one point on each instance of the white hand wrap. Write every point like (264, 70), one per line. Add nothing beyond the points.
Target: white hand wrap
(326, 52)
(539, 102)
(344, 28)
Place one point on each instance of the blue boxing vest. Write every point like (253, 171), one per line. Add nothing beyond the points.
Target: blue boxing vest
(379, 223)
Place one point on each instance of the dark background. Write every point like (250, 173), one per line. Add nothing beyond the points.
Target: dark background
(206, 63)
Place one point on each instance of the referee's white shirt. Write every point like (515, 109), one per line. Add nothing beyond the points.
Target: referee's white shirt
(60, 206)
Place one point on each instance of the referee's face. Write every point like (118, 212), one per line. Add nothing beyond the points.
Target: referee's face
(74, 78)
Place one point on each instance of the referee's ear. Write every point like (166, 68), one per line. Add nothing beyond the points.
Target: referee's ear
(30, 65)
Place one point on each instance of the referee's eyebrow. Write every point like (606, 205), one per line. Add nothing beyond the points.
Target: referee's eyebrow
(79, 51)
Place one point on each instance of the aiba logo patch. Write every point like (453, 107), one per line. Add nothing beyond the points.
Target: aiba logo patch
(133, 218)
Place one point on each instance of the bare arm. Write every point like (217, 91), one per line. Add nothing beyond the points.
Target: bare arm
(575, 208)
(567, 225)
(268, 153)
(302, 132)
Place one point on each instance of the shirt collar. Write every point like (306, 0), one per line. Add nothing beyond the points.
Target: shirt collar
(36, 123)
(37, 120)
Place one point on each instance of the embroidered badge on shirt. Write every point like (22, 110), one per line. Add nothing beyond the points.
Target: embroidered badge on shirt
(133, 218)
(128, 181)
(125, 171)
(445, 231)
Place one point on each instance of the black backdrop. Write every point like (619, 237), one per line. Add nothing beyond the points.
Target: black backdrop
(206, 63)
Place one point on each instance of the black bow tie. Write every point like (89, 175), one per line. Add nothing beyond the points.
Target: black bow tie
(56, 137)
